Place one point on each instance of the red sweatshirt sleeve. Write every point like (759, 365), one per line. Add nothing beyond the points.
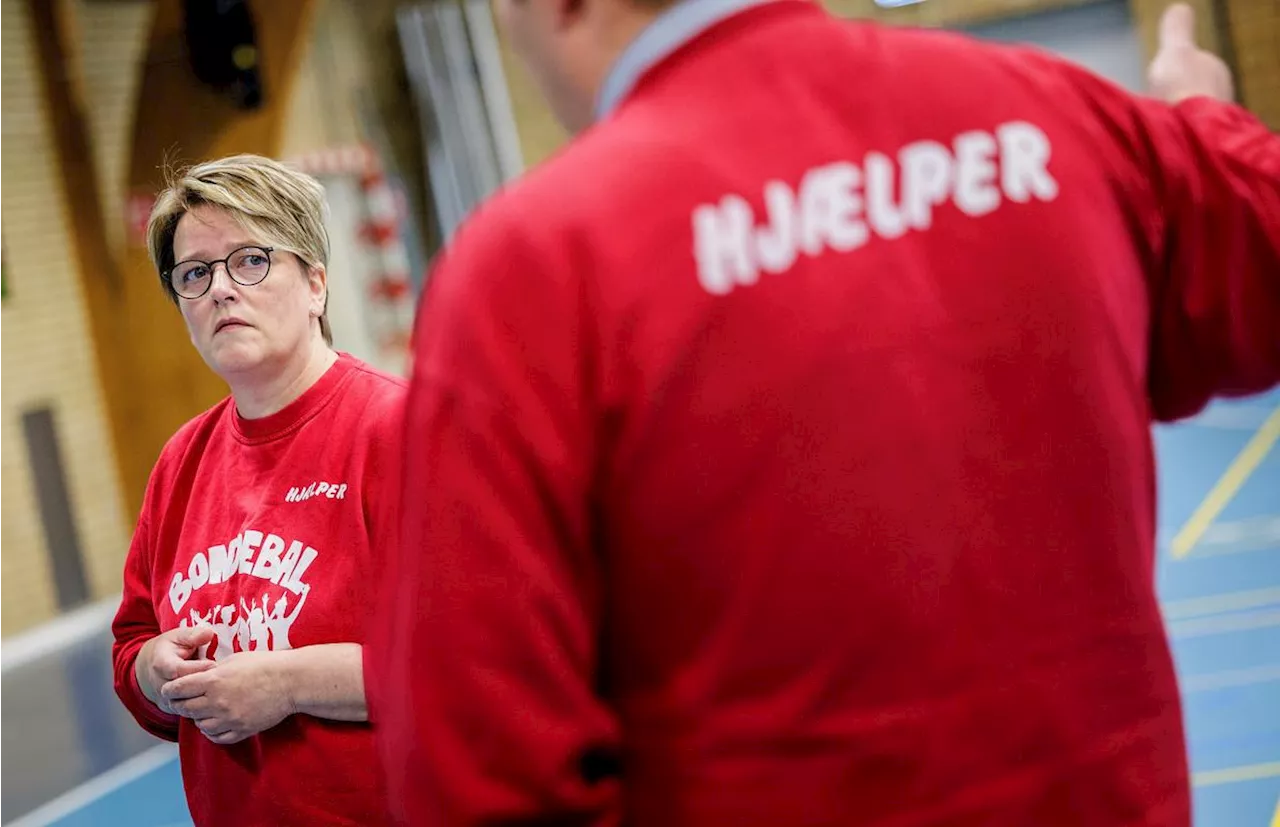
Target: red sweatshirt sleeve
(1216, 286)
(486, 658)
(134, 624)
(1202, 182)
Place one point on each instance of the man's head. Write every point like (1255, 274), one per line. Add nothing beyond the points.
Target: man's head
(570, 45)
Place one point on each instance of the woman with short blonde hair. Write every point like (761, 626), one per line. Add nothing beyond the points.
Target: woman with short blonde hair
(240, 629)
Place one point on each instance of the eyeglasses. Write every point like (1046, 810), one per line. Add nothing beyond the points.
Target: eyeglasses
(246, 266)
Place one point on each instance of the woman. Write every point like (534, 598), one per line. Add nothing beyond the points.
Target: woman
(246, 586)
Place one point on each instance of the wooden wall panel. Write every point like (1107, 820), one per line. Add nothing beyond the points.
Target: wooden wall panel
(1254, 26)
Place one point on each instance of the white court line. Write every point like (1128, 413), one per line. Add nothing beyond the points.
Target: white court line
(1235, 418)
(1230, 678)
(99, 786)
(56, 635)
(1234, 478)
(1203, 551)
(1224, 624)
(1219, 603)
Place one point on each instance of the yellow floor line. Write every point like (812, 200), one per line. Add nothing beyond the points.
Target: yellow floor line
(1234, 775)
(1245, 463)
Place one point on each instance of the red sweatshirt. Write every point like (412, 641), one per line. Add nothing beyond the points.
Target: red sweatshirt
(269, 529)
(782, 446)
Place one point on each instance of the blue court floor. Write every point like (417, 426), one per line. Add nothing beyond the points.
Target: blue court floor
(76, 760)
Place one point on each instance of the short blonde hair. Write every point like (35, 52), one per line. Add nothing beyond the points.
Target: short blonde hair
(282, 207)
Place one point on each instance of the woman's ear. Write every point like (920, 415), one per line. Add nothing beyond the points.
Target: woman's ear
(318, 282)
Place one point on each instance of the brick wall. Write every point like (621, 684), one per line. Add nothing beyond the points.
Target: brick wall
(46, 351)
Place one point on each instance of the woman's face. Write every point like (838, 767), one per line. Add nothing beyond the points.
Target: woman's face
(241, 331)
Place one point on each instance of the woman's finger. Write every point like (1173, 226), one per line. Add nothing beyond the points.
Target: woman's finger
(198, 707)
(211, 726)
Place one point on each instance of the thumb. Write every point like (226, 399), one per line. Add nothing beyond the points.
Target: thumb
(1178, 26)
(193, 636)
(192, 667)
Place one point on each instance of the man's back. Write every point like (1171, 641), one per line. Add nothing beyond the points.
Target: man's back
(839, 415)
(879, 502)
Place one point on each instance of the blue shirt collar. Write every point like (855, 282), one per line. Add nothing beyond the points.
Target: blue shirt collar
(676, 26)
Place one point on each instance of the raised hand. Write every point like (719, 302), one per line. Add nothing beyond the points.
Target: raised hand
(1181, 69)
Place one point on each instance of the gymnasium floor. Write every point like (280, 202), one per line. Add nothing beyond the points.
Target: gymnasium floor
(76, 759)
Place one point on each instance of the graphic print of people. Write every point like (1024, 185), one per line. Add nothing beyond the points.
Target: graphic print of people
(257, 628)
(250, 627)
(224, 631)
(198, 619)
(278, 623)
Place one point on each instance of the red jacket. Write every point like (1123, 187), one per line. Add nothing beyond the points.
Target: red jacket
(272, 531)
(779, 454)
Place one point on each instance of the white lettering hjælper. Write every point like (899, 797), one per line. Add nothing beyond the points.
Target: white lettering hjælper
(841, 205)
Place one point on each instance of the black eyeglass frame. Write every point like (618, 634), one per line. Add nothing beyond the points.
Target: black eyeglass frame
(226, 265)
